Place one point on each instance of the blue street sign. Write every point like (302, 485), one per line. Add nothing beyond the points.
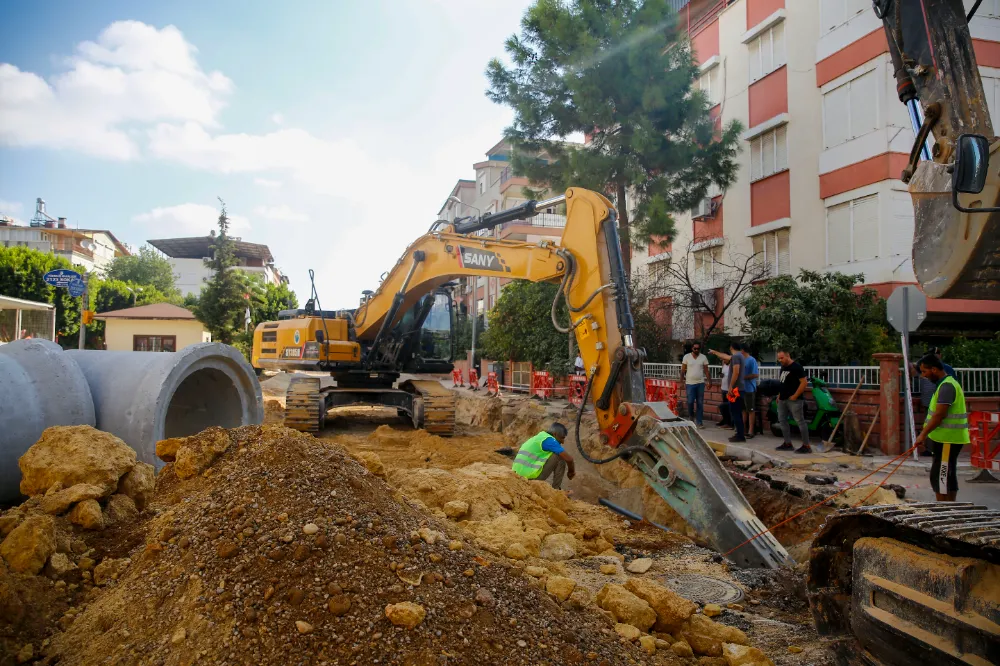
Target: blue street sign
(77, 287)
(61, 277)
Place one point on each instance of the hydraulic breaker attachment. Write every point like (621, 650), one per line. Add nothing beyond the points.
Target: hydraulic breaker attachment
(684, 470)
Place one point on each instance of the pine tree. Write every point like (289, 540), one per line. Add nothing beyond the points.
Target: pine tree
(621, 72)
(222, 305)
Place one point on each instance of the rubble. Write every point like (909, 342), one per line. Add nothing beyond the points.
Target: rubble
(671, 609)
(28, 547)
(626, 607)
(72, 455)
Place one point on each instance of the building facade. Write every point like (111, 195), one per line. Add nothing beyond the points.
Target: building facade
(91, 249)
(159, 327)
(187, 256)
(825, 140)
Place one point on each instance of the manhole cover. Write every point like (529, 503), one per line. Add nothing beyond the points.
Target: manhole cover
(704, 589)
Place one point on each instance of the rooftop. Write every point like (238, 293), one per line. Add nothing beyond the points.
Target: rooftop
(152, 311)
(201, 246)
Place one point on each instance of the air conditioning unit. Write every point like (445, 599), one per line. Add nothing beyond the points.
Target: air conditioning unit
(704, 298)
(703, 209)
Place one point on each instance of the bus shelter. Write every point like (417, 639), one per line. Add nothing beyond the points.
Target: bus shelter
(20, 319)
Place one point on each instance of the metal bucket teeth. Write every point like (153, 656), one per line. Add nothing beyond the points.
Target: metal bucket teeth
(304, 404)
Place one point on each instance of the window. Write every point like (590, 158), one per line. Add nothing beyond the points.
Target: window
(851, 110)
(482, 182)
(658, 272)
(852, 231)
(704, 264)
(767, 52)
(835, 13)
(709, 84)
(772, 249)
(991, 86)
(154, 343)
(769, 153)
(899, 230)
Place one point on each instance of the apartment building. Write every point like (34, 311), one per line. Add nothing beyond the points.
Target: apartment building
(495, 188)
(824, 143)
(187, 256)
(91, 249)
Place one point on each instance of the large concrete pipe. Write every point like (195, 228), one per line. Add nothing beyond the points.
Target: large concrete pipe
(144, 397)
(40, 386)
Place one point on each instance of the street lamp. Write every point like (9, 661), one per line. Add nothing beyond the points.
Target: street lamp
(456, 200)
(132, 291)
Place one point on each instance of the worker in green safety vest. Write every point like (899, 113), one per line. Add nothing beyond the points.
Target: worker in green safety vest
(543, 456)
(946, 428)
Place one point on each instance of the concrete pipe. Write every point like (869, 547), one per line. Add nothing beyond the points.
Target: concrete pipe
(40, 386)
(144, 397)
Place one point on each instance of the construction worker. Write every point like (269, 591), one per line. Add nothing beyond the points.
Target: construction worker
(946, 428)
(543, 456)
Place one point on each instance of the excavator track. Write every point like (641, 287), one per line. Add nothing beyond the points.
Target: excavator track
(438, 406)
(909, 584)
(305, 406)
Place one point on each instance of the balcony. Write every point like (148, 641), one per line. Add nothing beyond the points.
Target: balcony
(542, 224)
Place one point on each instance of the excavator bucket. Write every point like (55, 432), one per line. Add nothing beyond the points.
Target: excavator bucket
(684, 470)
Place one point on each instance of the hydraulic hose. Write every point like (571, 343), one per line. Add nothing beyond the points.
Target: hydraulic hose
(579, 445)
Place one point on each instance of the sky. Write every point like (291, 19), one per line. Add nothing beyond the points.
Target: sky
(333, 130)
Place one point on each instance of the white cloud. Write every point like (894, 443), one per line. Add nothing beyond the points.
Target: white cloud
(282, 213)
(188, 219)
(278, 119)
(268, 183)
(10, 207)
(134, 74)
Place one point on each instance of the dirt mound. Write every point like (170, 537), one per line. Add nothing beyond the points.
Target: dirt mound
(274, 412)
(287, 550)
(867, 496)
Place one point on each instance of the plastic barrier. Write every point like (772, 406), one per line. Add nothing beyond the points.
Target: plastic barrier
(984, 428)
(541, 384)
(491, 383)
(473, 379)
(456, 378)
(577, 387)
(663, 390)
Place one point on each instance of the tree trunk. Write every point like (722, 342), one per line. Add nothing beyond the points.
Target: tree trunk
(624, 233)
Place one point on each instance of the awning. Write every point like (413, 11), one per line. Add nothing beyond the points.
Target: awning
(10, 303)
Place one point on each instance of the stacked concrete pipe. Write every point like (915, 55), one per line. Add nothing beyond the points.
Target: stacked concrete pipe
(141, 397)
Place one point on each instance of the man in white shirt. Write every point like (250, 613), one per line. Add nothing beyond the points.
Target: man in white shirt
(696, 375)
(578, 365)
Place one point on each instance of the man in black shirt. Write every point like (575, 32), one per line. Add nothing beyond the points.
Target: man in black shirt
(793, 385)
(734, 398)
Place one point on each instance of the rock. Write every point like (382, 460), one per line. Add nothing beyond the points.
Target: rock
(310, 528)
(648, 644)
(429, 536)
(517, 551)
(626, 607)
(303, 627)
(640, 565)
(178, 636)
(706, 637)
(735, 607)
(26, 653)
(711, 610)
(59, 502)
(579, 599)
(454, 545)
(560, 587)
(11, 607)
(794, 649)
(627, 631)
(87, 514)
(682, 649)
(166, 449)
(28, 547)
(120, 509)
(72, 455)
(372, 463)
(110, 569)
(339, 604)
(227, 549)
(744, 655)
(138, 484)
(558, 547)
(609, 569)
(9, 521)
(196, 453)
(456, 509)
(820, 480)
(558, 516)
(59, 564)
(671, 609)
(485, 598)
(536, 572)
(405, 614)
(86, 564)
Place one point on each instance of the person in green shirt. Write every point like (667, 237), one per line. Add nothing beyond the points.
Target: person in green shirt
(543, 456)
(946, 429)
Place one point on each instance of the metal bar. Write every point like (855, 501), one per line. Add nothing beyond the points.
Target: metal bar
(628, 514)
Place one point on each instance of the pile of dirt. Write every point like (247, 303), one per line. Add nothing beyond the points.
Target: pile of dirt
(274, 412)
(281, 548)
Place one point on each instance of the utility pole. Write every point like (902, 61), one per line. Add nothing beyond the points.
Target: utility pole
(475, 319)
(84, 303)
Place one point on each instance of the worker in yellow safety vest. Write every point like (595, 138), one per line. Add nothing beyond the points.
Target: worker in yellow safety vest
(543, 456)
(946, 427)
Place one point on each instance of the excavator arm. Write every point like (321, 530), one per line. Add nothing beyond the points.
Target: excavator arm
(587, 263)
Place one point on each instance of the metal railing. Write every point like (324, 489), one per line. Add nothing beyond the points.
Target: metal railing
(551, 220)
(974, 381)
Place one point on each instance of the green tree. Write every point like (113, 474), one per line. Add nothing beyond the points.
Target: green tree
(620, 73)
(520, 326)
(21, 271)
(221, 304)
(820, 317)
(147, 268)
(964, 353)
(109, 295)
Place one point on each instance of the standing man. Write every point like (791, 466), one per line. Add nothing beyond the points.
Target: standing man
(793, 385)
(751, 372)
(735, 386)
(696, 375)
(543, 456)
(946, 428)
(578, 365)
(927, 388)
